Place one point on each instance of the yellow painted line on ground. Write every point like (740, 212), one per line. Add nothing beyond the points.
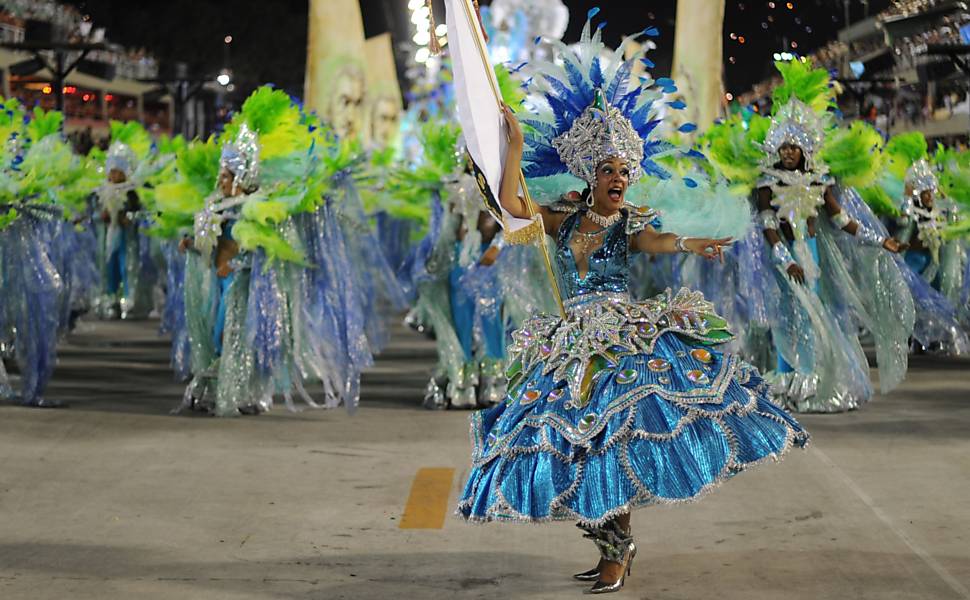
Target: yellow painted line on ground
(428, 503)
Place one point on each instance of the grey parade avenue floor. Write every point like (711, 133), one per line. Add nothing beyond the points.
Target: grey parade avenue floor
(114, 498)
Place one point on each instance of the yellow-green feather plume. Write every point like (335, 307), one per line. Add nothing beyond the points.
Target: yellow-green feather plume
(273, 115)
(11, 118)
(954, 175)
(879, 201)
(853, 154)
(811, 86)
(903, 150)
(133, 135)
(513, 94)
(251, 236)
(265, 212)
(44, 123)
(733, 146)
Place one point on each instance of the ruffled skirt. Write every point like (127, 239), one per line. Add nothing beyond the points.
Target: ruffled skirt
(622, 404)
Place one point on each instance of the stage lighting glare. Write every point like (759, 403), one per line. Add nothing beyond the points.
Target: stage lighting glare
(223, 79)
(422, 38)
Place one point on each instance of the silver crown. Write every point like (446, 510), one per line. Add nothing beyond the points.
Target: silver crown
(600, 133)
(796, 124)
(241, 158)
(920, 177)
(120, 157)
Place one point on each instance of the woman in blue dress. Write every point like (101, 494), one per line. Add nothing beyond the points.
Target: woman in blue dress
(620, 403)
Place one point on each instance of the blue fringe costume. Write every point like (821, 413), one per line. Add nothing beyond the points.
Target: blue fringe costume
(621, 404)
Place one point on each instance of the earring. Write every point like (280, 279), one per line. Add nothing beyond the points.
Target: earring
(589, 200)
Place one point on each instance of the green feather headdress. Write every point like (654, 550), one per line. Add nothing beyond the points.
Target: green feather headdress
(134, 135)
(276, 120)
(734, 146)
(409, 190)
(903, 150)
(50, 173)
(803, 82)
(177, 200)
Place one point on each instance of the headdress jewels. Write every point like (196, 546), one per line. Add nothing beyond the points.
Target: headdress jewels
(601, 132)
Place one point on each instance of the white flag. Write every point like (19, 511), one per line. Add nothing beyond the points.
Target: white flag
(482, 124)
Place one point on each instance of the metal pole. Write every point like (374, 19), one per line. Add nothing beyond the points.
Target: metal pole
(59, 80)
(178, 107)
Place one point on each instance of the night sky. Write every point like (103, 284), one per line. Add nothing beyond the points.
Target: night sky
(269, 38)
(765, 26)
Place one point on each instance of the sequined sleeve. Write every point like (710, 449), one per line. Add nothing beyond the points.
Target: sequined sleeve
(640, 218)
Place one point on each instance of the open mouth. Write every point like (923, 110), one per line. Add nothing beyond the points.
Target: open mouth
(615, 193)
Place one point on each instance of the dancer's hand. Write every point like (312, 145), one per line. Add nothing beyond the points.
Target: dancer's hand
(796, 273)
(516, 139)
(489, 256)
(894, 245)
(709, 248)
(185, 244)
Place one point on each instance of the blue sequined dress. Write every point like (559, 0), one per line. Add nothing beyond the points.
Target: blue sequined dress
(621, 404)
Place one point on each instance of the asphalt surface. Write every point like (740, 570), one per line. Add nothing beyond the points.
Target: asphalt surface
(113, 497)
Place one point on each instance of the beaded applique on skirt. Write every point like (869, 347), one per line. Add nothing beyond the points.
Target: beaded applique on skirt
(621, 404)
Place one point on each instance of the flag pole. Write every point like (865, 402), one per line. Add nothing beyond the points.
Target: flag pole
(530, 206)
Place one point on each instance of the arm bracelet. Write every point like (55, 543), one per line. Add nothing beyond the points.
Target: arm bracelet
(869, 236)
(781, 255)
(841, 219)
(680, 244)
(768, 219)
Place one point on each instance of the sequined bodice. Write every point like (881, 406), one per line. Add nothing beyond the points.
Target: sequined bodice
(607, 270)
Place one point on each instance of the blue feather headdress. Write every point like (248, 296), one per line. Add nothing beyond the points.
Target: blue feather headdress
(588, 113)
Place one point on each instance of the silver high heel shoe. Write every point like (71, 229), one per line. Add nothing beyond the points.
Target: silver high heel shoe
(616, 546)
(605, 588)
(591, 575)
(594, 573)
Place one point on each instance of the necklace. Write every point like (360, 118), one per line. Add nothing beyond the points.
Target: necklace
(588, 241)
(602, 221)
